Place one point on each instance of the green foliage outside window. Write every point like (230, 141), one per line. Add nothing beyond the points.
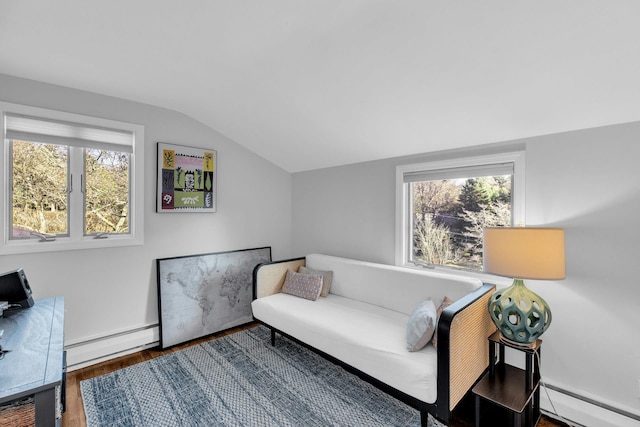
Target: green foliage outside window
(106, 192)
(449, 216)
(40, 196)
(39, 184)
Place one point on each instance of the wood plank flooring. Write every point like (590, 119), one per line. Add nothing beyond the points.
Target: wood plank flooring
(74, 414)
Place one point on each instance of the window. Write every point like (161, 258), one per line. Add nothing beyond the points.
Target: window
(71, 181)
(442, 208)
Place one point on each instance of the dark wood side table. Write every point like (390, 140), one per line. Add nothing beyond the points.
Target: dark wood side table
(34, 365)
(509, 387)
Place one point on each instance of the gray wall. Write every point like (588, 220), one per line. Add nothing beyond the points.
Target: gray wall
(109, 290)
(586, 182)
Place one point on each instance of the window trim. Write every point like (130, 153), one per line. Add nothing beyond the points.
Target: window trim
(74, 241)
(403, 212)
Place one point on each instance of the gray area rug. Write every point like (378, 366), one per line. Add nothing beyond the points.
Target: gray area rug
(240, 380)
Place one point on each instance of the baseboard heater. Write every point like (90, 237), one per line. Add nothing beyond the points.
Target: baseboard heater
(589, 416)
(109, 346)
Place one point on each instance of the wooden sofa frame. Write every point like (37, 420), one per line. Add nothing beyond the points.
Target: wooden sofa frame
(463, 354)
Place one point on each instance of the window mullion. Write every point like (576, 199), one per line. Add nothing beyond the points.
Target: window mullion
(409, 222)
(76, 196)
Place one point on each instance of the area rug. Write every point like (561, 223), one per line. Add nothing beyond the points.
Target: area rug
(240, 380)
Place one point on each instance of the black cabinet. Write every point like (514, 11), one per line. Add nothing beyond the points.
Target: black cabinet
(32, 372)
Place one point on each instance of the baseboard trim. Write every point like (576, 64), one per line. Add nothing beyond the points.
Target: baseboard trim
(99, 349)
(580, 410)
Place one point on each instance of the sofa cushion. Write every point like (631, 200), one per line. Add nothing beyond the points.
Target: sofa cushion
(421, 325)
(306, 286)
(327, 277)
(367, 337)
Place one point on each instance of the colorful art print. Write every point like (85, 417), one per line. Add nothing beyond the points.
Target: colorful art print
(186, 179)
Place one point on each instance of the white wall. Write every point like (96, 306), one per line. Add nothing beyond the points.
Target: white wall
(114, 290)
(585, 181)
(588, 182)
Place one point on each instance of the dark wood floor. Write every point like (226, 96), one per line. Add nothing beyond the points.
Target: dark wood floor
(74, 414)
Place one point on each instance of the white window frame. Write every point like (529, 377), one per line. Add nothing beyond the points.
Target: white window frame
(76, 240)
(403, 197)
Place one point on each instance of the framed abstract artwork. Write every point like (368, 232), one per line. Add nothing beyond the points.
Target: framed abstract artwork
(187, 178)
(199, 295)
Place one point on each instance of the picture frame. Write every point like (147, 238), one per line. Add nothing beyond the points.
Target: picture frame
(187, 179)
(199, 295)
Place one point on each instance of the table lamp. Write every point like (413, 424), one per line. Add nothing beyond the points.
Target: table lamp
(522, 253)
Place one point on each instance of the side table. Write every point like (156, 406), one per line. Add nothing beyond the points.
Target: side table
(509, 387)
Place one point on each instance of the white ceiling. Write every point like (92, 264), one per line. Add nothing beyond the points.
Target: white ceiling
(308, 84)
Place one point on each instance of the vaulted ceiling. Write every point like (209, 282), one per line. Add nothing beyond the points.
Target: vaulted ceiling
(316, 83)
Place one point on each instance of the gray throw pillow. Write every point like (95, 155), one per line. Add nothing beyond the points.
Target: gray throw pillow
(327, 278)
(306, 286)
(421, 325)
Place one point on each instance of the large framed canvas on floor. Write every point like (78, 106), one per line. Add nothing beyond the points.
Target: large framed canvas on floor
(199, 295)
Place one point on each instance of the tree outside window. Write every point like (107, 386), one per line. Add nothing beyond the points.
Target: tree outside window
(448, 217)
(42, 188)
(39, 189)
(106, 192)
(71, 181)
(443, 207)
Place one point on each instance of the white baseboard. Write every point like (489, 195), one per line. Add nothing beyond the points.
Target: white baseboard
(100, 349)
(576, 409)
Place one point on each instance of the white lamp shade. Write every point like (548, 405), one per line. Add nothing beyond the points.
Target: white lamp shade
(524, 252)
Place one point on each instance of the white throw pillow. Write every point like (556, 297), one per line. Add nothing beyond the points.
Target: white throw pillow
(421, 325)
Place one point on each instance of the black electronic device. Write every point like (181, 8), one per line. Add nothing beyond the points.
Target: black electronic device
(15, 289)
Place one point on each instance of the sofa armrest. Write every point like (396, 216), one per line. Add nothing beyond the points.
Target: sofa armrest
(463, 348)
(268, 277)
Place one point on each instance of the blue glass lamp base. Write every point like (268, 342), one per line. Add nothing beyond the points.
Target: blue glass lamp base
(519, 313)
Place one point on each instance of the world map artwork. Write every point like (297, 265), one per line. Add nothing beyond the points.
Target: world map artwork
(203, 294)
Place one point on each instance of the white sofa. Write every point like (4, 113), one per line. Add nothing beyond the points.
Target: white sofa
(362, 324)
